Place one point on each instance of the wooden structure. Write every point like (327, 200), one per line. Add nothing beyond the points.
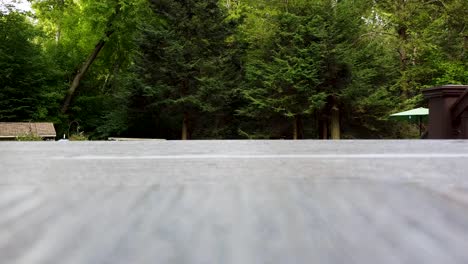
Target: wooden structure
(12, 130)
(234, 201)
(448, 112)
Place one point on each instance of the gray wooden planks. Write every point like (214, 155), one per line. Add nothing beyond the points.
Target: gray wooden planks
(234, 202)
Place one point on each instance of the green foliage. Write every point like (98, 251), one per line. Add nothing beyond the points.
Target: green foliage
(314, 58)
(184, 61)
(71, 29)
(230, 68)
(78, 137)
(284, 79)
(27, 78)
(29, 137)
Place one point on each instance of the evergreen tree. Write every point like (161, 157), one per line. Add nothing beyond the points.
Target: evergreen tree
(183, 62)
(284, 76)
(314, 64)
(27, 78)
(228, 68)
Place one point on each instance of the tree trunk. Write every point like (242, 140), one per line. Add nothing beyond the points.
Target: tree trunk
(465, 47)
(185, 127)
(80, 74)
(403, 56)
(58, 33)
(404, 81)
(84, 68)
(295, 127)
(335, 122)
(323, 129)
(298, 129)
(110, 79)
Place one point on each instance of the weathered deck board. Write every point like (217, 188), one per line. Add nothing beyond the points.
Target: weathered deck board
(234, 202)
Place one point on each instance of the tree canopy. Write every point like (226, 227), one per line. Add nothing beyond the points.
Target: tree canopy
(228, 68)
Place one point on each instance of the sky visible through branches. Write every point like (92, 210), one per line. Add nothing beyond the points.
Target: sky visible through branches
(18, 4)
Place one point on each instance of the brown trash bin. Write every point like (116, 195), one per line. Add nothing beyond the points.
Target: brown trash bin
(448, 112)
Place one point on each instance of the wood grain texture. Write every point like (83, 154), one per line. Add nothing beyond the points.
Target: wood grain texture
(234, 202)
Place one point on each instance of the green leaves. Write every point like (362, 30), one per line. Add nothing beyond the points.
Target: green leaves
(184, 59)
(26, 76)
(254, 69)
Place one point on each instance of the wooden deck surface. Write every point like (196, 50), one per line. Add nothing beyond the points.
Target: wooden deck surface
(363, 202)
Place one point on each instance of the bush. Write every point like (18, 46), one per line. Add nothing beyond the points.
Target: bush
(29, 137)
(78, 137)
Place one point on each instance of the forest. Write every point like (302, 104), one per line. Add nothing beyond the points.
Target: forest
(228, 69)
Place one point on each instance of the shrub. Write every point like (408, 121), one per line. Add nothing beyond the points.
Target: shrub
(29, 137)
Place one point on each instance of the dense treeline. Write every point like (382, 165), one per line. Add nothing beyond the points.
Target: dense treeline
(228, 69)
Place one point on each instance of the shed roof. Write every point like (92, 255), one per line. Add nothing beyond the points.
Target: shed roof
(13, 129)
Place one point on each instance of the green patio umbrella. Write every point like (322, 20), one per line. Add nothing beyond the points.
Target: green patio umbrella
(416, 115)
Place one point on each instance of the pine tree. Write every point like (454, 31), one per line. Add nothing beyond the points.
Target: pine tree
(284, 76)
(184, 61)
(310, 64)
